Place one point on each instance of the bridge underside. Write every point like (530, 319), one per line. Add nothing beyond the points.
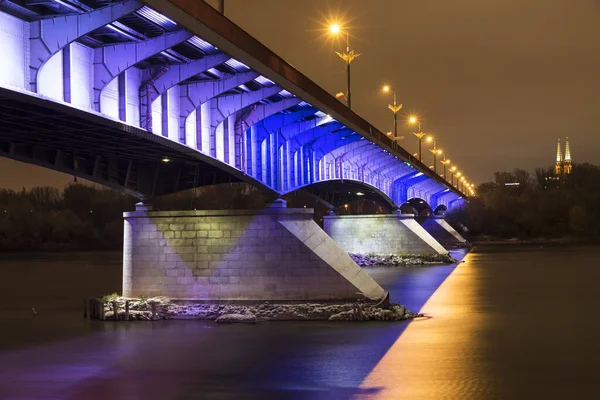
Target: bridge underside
(108, 152)
(336, 193)
(157, 96)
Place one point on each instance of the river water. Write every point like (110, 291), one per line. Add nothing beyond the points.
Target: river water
(508, 322)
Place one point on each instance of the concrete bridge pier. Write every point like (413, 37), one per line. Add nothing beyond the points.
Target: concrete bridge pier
(442, 231)
(394, 233)
(275, 253)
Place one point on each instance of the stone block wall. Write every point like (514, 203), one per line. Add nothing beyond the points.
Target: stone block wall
(271, 254)
(381, 233)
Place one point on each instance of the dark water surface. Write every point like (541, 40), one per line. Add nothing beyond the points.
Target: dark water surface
(509, 322)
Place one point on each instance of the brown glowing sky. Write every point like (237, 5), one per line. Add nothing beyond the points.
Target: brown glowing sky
(497, 81)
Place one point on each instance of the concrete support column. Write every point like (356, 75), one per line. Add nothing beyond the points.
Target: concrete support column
(122, 83)
(442, 231)
(164, 106)
(381, 233)
(66, 61)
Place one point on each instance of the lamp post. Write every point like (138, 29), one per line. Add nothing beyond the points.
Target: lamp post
(394, 107)
(458, 174)
(452, 171)
(420, 135)
(435, 152)
(445, 163)
(348, 57)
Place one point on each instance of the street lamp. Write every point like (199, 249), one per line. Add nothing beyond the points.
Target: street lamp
(395, 108)
(420, 135)
(348, 57)
(457, 178)
(452, 171)
(434, 151)
(445, 162)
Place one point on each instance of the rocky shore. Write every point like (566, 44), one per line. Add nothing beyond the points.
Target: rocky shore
(164, 308)
(400, 260)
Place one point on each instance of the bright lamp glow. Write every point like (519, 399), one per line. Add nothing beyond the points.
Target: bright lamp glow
(386, 88)
(412, 120)
(335, 28)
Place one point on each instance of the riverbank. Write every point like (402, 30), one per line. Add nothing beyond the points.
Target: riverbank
(163, 308)
(401, 260)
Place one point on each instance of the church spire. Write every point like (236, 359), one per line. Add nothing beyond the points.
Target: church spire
(567, 151)
(558, 170)
(558, 153)
(567, 165)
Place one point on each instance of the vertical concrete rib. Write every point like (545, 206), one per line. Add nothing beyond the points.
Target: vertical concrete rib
(48, 36)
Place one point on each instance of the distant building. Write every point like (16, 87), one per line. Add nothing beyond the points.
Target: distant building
(564, 165)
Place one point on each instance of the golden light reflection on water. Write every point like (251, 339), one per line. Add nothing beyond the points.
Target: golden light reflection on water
(435, 358)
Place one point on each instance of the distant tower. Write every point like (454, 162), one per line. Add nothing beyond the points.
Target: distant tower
(558, 170)
(567, 166)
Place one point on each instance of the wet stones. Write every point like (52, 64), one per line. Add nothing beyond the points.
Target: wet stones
(164, 308)
(396, 260)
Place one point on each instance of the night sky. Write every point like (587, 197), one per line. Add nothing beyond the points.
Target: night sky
(496, 81)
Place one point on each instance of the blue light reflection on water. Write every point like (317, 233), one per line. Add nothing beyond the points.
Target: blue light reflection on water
(316, 359)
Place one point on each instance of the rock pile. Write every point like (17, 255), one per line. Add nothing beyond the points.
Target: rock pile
(229, 313)
(399, 260)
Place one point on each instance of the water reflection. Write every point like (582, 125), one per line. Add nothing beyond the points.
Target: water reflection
(510, 323)
(438, 358)
(58, 353)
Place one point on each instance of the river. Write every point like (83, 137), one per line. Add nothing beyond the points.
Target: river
(507, 322)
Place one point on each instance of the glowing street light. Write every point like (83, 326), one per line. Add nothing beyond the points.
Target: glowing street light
(434, 151)
(413, 120)
(452, 172)
(445, 162)
(349, 56)
(394, 107)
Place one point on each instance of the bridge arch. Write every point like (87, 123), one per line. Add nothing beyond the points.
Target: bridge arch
(338, 192)
(417, 206)
(249, 122)
(440, 209)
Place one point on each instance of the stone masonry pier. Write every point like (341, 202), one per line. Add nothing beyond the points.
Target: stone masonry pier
(270, 254)
(442, 231)
(382, 234)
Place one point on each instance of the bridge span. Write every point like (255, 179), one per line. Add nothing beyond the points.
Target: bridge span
(154, 97)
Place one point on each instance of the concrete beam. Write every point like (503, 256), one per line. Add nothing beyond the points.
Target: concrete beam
(48, 36)
(284, 121)
(192, 95)
(165, 78)
(110, 61)
(224, 106)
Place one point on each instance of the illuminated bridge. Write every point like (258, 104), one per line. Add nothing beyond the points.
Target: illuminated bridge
(154, 97)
